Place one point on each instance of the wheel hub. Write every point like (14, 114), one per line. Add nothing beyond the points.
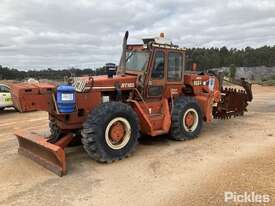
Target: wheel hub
(117, 132)
(189, 119)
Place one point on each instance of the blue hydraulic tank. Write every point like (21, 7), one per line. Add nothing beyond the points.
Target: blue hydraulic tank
(65, 98)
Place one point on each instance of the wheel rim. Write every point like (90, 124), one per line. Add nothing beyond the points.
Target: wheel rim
(190, 120)
(118, 133)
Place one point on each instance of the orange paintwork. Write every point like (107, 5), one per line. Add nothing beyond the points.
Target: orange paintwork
(151, 99)
(51, 156)
(189, 119)
(104, 81)
(117, 131)
(40, 97)
(205, 97)
(29, 97)
(158, 121)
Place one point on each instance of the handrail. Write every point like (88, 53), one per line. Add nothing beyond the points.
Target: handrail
(140, 96)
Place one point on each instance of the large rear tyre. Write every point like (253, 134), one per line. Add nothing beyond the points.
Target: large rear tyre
(187, 119)
(110, 132)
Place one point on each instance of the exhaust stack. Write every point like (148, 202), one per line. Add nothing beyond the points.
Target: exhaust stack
(122, 62)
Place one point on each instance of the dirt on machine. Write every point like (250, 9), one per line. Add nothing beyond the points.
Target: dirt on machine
(149, 93)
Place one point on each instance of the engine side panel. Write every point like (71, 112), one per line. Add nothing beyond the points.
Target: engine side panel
(205, 89)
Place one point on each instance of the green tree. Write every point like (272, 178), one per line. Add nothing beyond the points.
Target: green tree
(232, 71)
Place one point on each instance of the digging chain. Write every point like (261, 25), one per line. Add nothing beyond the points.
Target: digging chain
(233, 103)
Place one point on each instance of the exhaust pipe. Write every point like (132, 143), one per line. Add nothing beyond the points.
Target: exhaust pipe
(122, 63)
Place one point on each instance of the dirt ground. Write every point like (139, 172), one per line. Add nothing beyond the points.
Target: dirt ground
(233, 155)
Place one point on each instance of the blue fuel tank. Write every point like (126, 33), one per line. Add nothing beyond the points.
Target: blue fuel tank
(65, 98)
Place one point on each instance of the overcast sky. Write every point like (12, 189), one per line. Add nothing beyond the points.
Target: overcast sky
(38, 34)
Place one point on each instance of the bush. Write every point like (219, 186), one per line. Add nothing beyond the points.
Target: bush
(232, 71)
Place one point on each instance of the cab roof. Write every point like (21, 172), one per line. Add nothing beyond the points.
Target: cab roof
(159, 42)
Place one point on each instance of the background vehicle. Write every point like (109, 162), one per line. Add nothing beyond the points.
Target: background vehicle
(5, 97)
(150, 94)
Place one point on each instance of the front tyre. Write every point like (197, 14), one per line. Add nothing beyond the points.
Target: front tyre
(55, 131)
(110, 132)
(187, 119)
(57, 134)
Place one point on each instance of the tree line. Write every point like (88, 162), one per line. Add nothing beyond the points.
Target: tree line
(206, 58)
(8, 73)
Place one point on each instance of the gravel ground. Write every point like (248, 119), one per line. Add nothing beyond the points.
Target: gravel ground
(233, 155)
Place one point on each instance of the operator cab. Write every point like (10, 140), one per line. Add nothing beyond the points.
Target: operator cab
(158, 63)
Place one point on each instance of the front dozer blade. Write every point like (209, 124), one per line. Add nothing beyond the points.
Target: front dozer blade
(37, 148)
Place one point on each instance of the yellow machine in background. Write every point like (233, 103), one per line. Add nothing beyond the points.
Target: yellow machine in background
(5, 97)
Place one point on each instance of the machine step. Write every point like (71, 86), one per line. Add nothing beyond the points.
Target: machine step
(157, 120)
(159, 132)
